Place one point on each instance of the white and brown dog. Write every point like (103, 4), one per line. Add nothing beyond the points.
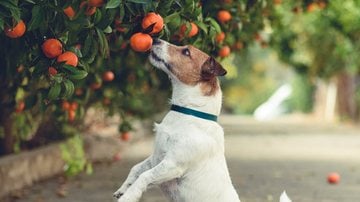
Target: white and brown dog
(188, 161)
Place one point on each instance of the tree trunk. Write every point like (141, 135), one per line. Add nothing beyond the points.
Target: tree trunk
(346, 106)
(8, 141)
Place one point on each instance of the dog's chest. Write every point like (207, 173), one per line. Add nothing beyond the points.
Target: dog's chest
(184, 134)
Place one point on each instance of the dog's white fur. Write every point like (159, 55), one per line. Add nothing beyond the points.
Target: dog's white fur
(188, 161)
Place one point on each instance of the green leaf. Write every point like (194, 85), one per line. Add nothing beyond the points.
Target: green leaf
(1, 24)
(103, 43)
(202, 26)
(69, 88)
(108, 30)
(36, 19)
(139, 1)
(74, 73)
(113, 4)
(214, 24)
(54, 91)
(8, 4)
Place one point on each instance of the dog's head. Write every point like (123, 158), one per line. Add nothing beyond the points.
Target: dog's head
(186, 64)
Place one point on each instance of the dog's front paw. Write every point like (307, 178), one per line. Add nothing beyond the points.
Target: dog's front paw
(127, 198)
(118, 194)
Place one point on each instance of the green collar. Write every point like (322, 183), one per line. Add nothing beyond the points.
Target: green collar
(195, 113)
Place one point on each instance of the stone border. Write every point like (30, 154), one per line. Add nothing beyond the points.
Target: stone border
(20, 170)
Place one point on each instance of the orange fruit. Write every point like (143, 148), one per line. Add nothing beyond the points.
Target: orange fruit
(79, 91)
(312, 7)
(108, 76)
(17, 31)
(106, 101)
(125, 136)
(220, 37)
(224, 51)
(65, 105)
(193, 31)
(69, 58)
(52, 48)
(117, 157)
(20, 107)
(69, 11)
(333, 178)
(150, 19)
(277, 2)
(224, 16)
(95, 3)
(71, 115)
(52, 71)
(238, 45)
(95, 86)
(73, 106)
(90, 10)
(141, 42)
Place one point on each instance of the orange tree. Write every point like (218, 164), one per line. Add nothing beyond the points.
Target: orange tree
(59, 58)
(321, 39)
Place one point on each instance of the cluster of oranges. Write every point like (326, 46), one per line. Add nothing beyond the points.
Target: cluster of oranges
(89, 5)
(53, 48)
(70, 108)
(223, 16)
(142, 42)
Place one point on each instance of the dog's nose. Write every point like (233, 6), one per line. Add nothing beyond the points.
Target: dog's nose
(156, 41)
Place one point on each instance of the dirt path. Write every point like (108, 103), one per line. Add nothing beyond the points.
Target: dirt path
(263, 159)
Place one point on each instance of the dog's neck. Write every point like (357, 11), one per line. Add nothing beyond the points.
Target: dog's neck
(193, 97)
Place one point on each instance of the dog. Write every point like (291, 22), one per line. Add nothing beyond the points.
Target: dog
(188, 161)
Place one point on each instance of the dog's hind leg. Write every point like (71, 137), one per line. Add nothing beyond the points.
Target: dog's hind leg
(135, 172)
(166, 170)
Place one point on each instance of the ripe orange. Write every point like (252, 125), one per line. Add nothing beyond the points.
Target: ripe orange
(333, 178)
(69, 58)
(65, 105)
(141, 42)
(69, 11)
(312, 7)
(150, 19)
(95, 86)
(79, 91)
(52, 71)
(108, 76)
(224, 16)
(193, 31)
(52, 48)
(20, 107)
(125, 136)
(90, 10)
(95, 3)
(238, 45)
(224, 51)
(73, 106)
(71, 115)
(17, 31)
(220, 37)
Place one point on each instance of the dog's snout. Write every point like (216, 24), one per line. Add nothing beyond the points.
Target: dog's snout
(156, 41)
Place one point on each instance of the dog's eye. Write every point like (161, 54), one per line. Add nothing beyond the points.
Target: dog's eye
(186, 52)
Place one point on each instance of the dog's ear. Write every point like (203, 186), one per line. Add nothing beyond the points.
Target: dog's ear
(211, 68)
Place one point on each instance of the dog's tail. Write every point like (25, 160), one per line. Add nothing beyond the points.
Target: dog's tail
(284, 197)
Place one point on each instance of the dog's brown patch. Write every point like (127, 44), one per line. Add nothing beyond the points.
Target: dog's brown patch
(192, 66)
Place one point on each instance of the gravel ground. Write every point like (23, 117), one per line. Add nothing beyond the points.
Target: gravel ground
(264, 158)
